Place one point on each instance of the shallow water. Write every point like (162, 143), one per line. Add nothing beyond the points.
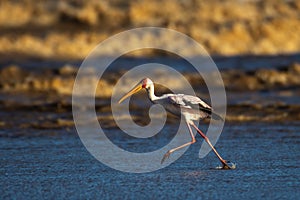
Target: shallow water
(58, 166)
(45, 160)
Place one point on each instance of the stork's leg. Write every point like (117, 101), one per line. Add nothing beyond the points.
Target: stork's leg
(225, 164)
(184, 145)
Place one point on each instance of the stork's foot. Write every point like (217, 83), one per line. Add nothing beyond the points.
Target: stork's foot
(227, 165)
(166, 156)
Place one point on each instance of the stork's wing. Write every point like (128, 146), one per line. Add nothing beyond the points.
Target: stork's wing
(192, 102)
(188, 101)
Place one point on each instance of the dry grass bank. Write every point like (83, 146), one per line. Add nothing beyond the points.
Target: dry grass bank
(70, 29)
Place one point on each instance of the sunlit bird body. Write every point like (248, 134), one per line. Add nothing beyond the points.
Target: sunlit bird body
(190, 107)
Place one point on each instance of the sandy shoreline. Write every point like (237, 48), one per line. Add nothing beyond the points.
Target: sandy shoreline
(60, 79)
(40, 98)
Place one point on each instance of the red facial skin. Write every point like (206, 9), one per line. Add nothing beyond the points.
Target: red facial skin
(144, 83)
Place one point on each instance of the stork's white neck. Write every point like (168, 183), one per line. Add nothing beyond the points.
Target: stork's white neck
(151, 94)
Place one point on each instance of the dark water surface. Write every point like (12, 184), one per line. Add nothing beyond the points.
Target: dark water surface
(242, 62)
(58, 166)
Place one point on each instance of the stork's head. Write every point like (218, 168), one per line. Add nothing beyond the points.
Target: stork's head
(145, 83)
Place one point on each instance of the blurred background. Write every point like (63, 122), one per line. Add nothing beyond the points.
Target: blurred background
(70, 29)
(254, 43)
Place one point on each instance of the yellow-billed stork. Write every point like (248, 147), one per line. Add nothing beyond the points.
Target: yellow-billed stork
(190, 107)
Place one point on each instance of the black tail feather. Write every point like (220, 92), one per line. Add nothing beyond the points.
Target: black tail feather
(215, 116)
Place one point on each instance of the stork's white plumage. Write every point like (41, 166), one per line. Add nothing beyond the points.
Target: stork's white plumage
(190, 107)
